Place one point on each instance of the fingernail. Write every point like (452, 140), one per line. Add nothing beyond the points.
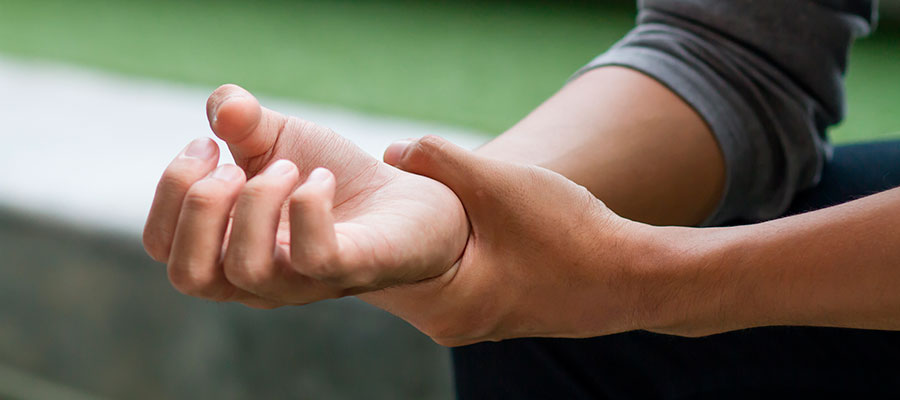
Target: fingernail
(394, 152)
(227, 172)
(280, 167)
(230, 98)
(319, 175)
(200, 148)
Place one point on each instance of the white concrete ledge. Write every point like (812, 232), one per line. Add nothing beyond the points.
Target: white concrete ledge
(89, 147)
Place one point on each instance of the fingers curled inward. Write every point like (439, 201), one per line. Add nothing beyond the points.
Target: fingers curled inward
(194, 267)
(314, 244)
(248, 261)
(192, 164)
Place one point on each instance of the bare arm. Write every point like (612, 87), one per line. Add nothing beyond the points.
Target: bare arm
(579, 270)
(629, 140)
(612, 144)
(837, 267)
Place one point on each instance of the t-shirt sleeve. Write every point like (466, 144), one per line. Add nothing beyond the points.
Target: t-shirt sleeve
(765, 75)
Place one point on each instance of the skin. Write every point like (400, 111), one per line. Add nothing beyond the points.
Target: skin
(836, 267)
(375, 226)
(544, 256)
(629, 140)
(596, 273)
(252, 233)
(521, 246)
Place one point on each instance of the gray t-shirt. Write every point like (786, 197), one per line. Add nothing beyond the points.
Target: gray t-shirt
(766, 75)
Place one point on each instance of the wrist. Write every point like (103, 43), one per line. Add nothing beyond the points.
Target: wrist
(686, 288)
(646, 277)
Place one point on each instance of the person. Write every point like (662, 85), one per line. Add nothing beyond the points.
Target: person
(708, 113)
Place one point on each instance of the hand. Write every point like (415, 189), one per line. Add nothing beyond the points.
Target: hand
(355, 225)
(544, 256)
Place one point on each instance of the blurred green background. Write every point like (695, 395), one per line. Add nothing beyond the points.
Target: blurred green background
(480, 65)
(475, 64)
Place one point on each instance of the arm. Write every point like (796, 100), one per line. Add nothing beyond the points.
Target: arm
(750, 77)
(626, 137)
(629, 140)
(837, 267)
(546, 258)
(373, 245)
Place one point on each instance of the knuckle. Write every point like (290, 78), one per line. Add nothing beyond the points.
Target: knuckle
(423, 150)
(298, 198)
(245, 273)
(318, 266)
(430, 143)
(201, 197)
(257, 189)
(351, 279)
(325, 268)
(175, 179)
(301, 199)
(193, 284)
(306, 199)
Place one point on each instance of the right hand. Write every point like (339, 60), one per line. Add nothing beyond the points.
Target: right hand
(544, 256)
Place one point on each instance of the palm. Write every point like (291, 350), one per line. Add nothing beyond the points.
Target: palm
(408, 226)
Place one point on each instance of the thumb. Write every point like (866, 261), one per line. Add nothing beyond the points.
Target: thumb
(236, 117)
(461, 170)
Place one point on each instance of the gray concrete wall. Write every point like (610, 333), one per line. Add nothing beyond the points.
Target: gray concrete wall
(90, 311)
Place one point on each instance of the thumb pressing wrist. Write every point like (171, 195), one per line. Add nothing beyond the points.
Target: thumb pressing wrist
(394, 153)
(437, 159)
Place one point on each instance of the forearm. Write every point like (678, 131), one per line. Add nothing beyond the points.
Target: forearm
(837, 267)
(629, 140)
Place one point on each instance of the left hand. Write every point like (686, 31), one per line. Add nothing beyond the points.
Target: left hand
(544, 256)
(248, 233)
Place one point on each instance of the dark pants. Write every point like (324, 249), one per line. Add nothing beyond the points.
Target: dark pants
(772, 361)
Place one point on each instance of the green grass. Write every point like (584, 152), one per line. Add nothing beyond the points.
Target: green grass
(481, 65)
(873, 89)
